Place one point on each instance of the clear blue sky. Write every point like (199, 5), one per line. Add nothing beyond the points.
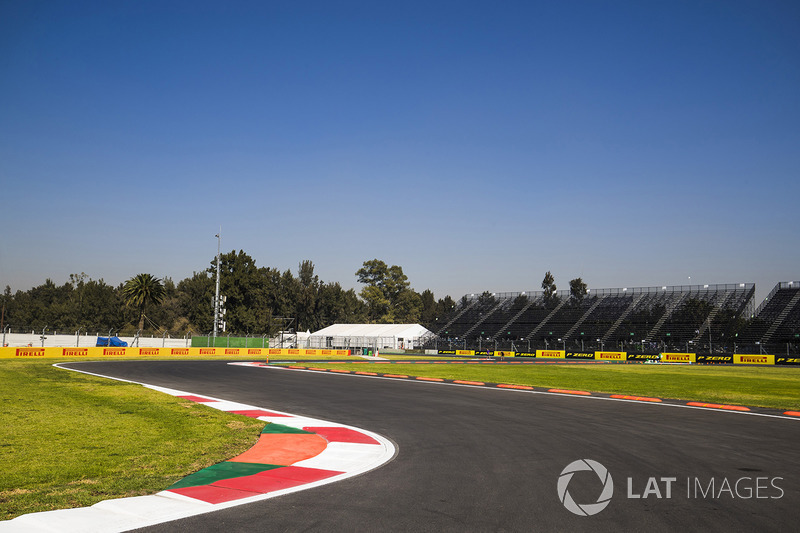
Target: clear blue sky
(475, 144)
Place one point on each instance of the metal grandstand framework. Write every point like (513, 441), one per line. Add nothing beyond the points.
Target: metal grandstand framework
(697, 318)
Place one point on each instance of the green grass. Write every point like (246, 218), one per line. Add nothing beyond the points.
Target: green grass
(71, 440)
(774, 387)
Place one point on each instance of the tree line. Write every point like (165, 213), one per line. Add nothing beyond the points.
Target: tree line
(259, 300)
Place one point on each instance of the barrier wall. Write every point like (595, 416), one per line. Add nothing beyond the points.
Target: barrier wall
(551, 354)
(611, 356)
(100, 351)
(303, 351)
(580, 355)
(753, 359)
(738, 359)
(678, 358)
(708, 359)
(644, 357)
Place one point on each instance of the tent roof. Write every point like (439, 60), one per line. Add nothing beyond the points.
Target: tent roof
(372, 330)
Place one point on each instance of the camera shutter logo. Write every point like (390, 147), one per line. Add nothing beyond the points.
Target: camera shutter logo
(585, 509)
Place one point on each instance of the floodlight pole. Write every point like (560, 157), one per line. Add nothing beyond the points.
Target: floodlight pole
(216, 298)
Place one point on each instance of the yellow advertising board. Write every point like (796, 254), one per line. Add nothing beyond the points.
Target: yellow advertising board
(753, 359)
(465, 352)
(305, 351)
(551, 354)
(106, 351)
(611, 356)
(504, 354)
(678, 358)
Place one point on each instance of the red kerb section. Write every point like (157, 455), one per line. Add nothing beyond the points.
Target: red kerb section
(565, 391)
(198, 399)
(340, 434)
(255, 413)
(719, 406)
(636, 398)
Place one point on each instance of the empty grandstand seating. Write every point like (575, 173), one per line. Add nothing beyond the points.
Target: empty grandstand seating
(700, 317)
(777, 319)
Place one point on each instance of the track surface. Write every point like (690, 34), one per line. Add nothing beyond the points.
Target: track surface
(472, 459)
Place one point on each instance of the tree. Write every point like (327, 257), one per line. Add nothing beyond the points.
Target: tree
(308, 298)
(388, 293)
(549, 287)
(196, 301)
(430, 309)
(141, 291)
(245, 287)
(577, 290)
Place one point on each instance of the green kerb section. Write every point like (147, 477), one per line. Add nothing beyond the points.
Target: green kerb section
(217, 472)
(278, 428)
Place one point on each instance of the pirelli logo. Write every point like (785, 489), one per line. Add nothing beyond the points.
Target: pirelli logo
(30, 352)
(551, 354)
(611, 356)
(678, 358)
(148, 351)
(208, 351)
(180, 351)
(75, 352)
(114, 351)
(231, 351)
(327, 352)
(274, 351)
(753, 359)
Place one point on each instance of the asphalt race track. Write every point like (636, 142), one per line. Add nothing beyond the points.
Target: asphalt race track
(478, 459)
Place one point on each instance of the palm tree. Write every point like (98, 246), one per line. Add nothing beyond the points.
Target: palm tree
(141, 290)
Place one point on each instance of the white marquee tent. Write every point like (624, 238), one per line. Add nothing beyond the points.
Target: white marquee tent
(370, 336)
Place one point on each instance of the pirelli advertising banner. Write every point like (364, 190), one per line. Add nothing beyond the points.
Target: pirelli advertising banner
(551, 354)
(316, 352)
(446, 352)
(787, 360)
(708, 359)
(678, 358)
(644, 357)
(499, 353)
(749, 359)
(580, 355)
(104, 351)
(611, 356)
(525, 354)
(465, 352)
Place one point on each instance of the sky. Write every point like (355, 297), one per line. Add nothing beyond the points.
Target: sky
(476, 144)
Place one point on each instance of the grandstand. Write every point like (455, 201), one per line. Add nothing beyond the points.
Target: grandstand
(695, 318)
(776, 322)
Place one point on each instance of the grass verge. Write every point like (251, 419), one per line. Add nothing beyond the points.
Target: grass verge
(774, 387)
(72, 440)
